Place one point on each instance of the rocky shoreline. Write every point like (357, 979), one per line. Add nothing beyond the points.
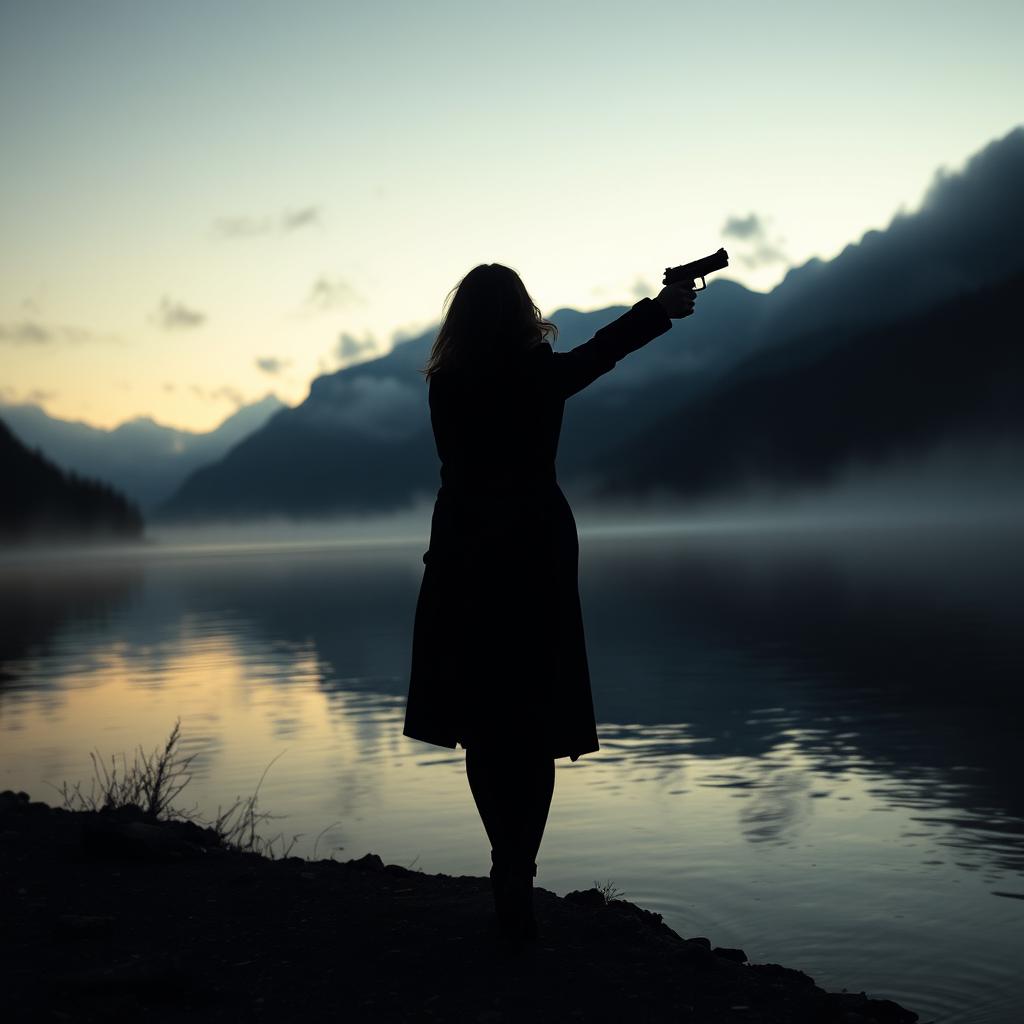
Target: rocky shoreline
(113, 916)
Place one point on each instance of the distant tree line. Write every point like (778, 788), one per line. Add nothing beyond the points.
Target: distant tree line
(43, 502)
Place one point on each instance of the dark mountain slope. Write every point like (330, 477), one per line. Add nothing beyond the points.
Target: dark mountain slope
(965, 235)
(361, 440)
(800, 413)
(42, 502)
(144, 459)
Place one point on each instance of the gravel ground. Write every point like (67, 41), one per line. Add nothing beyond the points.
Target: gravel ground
(109, 917)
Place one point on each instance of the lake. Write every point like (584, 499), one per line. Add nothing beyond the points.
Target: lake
(810, 739)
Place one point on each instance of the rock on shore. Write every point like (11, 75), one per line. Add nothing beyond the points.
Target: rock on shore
(110, 916)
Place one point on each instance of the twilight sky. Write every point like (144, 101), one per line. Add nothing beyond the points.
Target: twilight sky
(205, 201)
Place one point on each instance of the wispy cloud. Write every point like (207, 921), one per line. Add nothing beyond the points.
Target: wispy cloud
(349, 347)
(33, 396)
(255, 227)
(743, 227)
(765, 252)
(33, 332)
(173, 316)
(307, 216)
(752, 231)
(271, 364)
(225, 393)
(28, 332)
(242, 227)
(332, 293)
(229, 394)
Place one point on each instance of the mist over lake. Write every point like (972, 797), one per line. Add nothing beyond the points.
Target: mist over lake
(809, 737)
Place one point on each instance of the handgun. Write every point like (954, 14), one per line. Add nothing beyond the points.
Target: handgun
(697, 269)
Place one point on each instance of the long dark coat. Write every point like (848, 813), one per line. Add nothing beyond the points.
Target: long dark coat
(498, 651)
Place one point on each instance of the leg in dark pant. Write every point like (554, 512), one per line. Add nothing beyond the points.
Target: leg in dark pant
(513, 795)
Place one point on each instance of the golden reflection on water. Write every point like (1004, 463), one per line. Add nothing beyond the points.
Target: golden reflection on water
(740, 842)
(337, 754)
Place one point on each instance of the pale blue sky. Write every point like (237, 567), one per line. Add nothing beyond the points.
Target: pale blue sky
(178, 177)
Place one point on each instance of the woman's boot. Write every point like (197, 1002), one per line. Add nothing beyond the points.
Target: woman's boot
(512, 886)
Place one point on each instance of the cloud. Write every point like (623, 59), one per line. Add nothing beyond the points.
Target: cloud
(32, 332)
(242, 227)
(766, 252)
(225, 393)
(228, 394)
(350, 347)
(28, 332)
(328, 293)
(33, 396)
(173, 316)
(752, 230)
(254, 227)
(641, 288)
(743, 227)
(271, 364)
(305, 217)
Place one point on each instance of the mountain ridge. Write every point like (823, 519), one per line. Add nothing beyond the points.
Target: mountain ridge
(797, 415)
(361, 441)
(45, 503)
(145, 459)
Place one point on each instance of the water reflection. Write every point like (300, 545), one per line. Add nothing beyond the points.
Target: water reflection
(38, 601)
(816, 734)
(898, 655)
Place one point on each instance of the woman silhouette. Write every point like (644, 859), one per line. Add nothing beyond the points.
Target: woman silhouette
(499, 661)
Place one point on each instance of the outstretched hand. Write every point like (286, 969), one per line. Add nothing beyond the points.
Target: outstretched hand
(677, 300)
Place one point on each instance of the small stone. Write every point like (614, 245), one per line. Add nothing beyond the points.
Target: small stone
(368, 862)
(696, 954)
(13, 803)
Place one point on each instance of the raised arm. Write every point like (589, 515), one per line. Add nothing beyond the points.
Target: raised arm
(574, 370)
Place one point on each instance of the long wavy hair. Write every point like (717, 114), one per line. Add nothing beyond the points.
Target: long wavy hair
(489, 316)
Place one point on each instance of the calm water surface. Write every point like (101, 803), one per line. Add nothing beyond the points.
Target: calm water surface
(810, 741)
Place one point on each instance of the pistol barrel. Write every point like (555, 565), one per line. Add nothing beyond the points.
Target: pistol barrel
(697, 269)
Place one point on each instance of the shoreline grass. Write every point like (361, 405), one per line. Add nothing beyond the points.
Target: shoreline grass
(151, 782)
